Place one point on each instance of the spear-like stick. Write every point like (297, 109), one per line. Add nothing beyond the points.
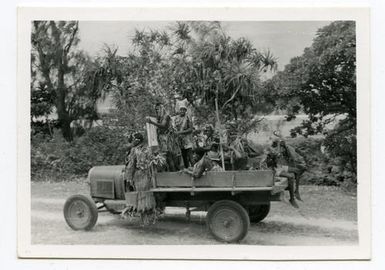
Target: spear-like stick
(220, 135)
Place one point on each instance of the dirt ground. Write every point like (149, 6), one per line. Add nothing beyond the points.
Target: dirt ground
(326, 217)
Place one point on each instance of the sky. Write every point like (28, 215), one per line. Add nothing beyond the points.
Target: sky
(285, 39)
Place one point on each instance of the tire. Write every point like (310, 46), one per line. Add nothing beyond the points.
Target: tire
(80, 212)
(259, 212)
(227, 221)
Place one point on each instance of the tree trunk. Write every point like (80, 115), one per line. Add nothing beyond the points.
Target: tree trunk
(63, 115)
(65, 127)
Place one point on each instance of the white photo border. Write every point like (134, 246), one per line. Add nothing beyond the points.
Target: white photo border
(362, 251)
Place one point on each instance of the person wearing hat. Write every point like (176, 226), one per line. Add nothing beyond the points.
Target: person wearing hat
(184, 130)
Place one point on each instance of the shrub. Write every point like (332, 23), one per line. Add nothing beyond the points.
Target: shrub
(53, 157)
(323, 168)
(99, 146)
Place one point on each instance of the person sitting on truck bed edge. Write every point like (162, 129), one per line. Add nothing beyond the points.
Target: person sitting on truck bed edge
(286, 162)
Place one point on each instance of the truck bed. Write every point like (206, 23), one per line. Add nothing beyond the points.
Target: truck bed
(221, 180)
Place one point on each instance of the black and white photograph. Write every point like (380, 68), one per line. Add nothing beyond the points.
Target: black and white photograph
(194, 133)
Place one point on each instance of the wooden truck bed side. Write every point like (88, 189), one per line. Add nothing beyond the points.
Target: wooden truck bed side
(221, 180)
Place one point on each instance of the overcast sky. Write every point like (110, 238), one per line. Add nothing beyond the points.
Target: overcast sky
(284, 39)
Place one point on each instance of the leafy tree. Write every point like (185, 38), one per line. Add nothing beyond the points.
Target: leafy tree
(64, 79)
(197, 61)
(135, 82)
(209, 66)
(322, 84)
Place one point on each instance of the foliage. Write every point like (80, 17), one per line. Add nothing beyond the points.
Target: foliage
(53, 156)
(62, 77)
(322, 84)
(196, 61)
(200, 62)
(134, 82)
(341, 143)
(211, 65)
(322, 168)
(323, 79)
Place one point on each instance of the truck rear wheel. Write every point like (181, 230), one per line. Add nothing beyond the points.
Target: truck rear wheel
(228, 221)
(80, 212)
(259, 212)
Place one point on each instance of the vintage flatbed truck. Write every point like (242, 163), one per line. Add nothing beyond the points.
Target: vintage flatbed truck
(232, 199)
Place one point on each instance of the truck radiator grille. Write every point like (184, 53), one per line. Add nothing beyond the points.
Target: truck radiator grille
(105, 189)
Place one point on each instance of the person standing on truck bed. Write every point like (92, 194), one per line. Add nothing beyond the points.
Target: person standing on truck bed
(166, 137)
(184, 130)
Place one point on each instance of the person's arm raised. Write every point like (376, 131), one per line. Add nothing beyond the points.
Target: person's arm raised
(162, 125)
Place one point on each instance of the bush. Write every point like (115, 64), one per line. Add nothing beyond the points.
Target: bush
(323, 168)
(99, 146)
(55, 158)
(52, 158)
(47, 156)
(341, 145)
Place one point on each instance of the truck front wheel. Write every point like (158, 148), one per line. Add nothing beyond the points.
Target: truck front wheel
(80, 212)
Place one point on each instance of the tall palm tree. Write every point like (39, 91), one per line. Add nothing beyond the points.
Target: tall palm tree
(223, 67)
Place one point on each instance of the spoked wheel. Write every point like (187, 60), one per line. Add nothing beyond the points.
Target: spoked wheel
(259, 212)
(80, 212)
(228, 221)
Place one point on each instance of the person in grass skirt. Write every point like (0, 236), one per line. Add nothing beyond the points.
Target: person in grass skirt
(138, 181)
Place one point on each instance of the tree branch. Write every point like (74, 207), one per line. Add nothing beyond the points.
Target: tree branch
(72, 38)
(232, 97)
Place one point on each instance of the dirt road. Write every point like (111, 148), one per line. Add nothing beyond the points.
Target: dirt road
(326, 217)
